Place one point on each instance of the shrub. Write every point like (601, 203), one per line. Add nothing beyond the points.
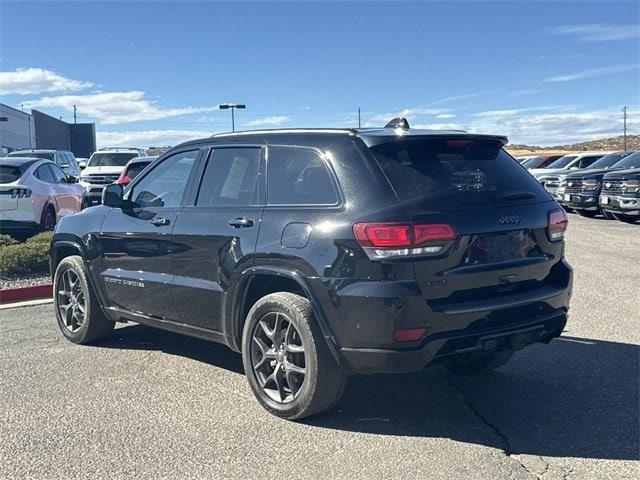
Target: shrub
(42, 237)
(7, 240)
(31, 256)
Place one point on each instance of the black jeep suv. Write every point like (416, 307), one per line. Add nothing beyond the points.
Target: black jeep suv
(320, 253)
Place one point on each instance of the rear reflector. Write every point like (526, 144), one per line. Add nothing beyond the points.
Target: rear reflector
(408, 334)
(557, 224)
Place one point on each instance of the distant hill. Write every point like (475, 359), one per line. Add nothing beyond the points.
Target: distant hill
(611, 143)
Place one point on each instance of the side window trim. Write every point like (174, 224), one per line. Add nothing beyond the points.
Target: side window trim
(329, 168)
(206, 158)
(156, 163)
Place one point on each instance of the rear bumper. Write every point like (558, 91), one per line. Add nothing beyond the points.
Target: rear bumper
(363, 316)
(443, 348)
(581, 201)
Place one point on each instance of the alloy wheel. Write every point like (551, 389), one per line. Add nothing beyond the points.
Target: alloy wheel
(278, 357)
(71, 300)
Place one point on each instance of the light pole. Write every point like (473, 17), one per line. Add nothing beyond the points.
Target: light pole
(232, 106)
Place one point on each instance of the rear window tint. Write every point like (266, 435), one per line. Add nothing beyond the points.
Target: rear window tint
(9, 174)
(298, 176)
(454, 173)
(135, 169)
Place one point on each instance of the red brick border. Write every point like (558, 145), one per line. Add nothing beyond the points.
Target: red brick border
(26, 293)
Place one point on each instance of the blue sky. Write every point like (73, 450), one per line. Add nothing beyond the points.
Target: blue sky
(154, 72)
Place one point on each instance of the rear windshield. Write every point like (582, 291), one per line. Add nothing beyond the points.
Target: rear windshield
(47, 155)
(9, 174)
(110, 159)
(455, 173)
(135, 169)
(562, 161)
(532, 162)
(632, 161)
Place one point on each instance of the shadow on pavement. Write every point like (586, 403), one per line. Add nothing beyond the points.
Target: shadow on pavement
(141, 337)
(573, 398)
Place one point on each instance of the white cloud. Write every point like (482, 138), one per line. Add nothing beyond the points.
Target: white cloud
(115, 107)
(464, 96)
(440, 126)
(380, 119)
(445, 115)
(593, 72)
(274, 120)
(555, 128)
(598, 32)
(25, 81)
(520, 93)
(496, 113)
(148, 137)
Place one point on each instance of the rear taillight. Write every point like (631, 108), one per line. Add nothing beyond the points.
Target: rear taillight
(557, 224)
(20, 193)
(387, 240)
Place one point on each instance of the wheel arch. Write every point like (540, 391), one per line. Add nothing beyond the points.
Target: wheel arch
(256, 282)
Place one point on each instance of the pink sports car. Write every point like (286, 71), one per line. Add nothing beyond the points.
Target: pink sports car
(35, 194)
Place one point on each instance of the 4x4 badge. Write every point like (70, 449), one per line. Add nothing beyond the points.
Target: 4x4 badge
(509, 219)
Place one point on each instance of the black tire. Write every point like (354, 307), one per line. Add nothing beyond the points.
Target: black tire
(586, 213)
(324, 380)
(48, 221)
(625, 218)
(94, 325)
(480, 364)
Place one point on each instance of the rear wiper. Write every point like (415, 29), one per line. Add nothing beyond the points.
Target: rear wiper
(513, 195)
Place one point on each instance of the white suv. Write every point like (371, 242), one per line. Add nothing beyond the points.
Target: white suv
(104, 167)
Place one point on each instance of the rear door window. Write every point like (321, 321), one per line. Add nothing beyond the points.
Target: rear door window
(44, 173)
(584, 162)
(230, 177)
(455, 173)
(298, 176)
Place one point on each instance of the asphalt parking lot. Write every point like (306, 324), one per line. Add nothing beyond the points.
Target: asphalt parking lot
(152, 404)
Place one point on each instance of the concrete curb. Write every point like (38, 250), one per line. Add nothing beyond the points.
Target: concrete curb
(22, 294)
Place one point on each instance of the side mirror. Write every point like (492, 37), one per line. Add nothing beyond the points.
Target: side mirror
(72, 179)
(112, 195)
(82, 165)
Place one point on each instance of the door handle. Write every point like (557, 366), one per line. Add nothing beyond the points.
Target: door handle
(160, 221)
(241, 223)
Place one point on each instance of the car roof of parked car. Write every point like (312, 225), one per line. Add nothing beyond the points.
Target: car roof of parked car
(38, 150)
(22, 162)
(142, 159)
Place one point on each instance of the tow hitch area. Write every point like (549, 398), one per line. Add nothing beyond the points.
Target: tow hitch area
(515, 341)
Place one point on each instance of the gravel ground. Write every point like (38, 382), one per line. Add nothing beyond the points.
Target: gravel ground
(152, 404)
(15, 281)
